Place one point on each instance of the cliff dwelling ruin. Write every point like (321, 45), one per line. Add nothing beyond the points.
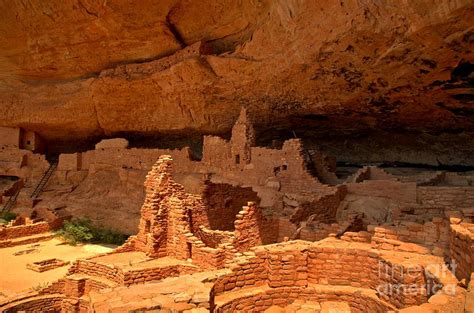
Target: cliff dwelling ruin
(236, 156)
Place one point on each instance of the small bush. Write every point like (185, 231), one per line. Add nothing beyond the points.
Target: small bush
(82, 230)
(105, 235)
(7, 216)
(75, 231)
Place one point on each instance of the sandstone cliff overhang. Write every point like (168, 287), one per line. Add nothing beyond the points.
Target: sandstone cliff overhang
(89, 69)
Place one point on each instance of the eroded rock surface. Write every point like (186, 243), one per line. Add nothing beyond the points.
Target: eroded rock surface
(75, 70)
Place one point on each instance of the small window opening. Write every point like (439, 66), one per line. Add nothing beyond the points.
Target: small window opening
(237, 159)
(276, 170)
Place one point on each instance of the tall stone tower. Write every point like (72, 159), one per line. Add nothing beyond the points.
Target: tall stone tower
(164, 214)
(243, 138)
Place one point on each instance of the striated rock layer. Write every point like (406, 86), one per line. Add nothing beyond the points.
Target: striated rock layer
(82, 69)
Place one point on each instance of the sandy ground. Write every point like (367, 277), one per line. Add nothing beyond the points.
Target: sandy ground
(15, 277)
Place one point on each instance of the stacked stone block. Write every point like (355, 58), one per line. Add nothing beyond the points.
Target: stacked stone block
(462, 249)
(248, 227)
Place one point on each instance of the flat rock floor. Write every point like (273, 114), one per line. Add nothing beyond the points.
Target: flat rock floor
(17, 278)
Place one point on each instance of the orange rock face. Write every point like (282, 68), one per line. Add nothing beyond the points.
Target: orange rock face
(88, 68)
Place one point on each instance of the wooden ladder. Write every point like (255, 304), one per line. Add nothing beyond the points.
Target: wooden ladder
(44, 179)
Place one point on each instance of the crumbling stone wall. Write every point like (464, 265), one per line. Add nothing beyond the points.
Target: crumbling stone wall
(319, 231)
(175, 223)
(393, 190)
(122, 157)
(320, 208)
(140, 276)
(249, 231)
(12, 232)
(55, 287)
(205, 256)
(213, 238)
(93, 268)
(22, 163)
(462, 249)
(370, 173)
(164, 215)
(10, 137)
(223, 202)
(431, 237)
(286, 229)
(287, 165)
(419, 214)
(449, 197)
(325, 167)
(17, 138)
(239, 160)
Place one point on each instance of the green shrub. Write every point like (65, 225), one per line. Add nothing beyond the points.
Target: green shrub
(8, 216)
(75, 231)
(82, 230)
(105, 235)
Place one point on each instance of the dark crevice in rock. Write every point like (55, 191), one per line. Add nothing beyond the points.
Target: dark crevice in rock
(440, 167)
(45, 81)
(174, 30)
(460, 111)
(462, 71)
(464, 97)
(89, 12)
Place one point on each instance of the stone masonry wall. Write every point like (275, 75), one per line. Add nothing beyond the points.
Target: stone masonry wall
(140, 276)
(204, 256)
(449, 197)
(11, 232)
(394, 190)
(216, 153)
(320, 208)
(173, 223)
(10, 137)
(46, 303)
(429, 237)
(283, 296)
(462, 249)
(139, 159)
(223, 202)
(213, 238)
(164, 216)
(249, 227)
(92, 268)
(298, 264)
(319, 231)
(22, 163)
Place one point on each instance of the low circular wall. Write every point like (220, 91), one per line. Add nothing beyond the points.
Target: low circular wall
(334, 264)
(45, 303)
(358, 300)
